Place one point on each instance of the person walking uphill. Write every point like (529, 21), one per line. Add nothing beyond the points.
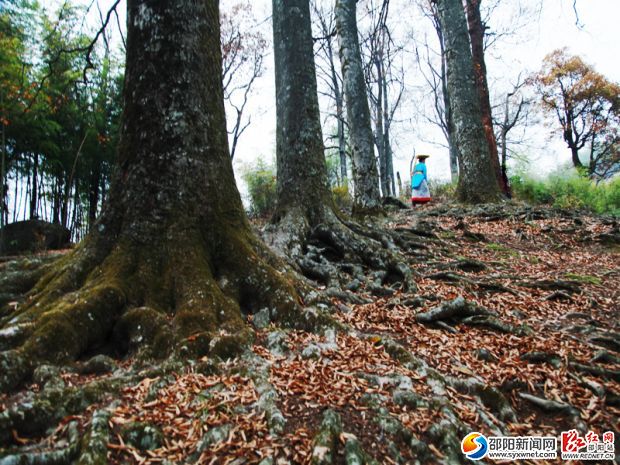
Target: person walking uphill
(419, 182)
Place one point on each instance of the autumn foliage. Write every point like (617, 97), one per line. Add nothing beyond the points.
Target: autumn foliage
(587, 108)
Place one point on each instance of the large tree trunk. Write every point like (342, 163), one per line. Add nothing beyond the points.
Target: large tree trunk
(172, 262)
(476, 35)
(302, 188)
(477, 177)
(308, 228)
(367, 196)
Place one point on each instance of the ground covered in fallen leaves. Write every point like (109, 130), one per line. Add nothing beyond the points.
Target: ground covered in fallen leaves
(530, 346)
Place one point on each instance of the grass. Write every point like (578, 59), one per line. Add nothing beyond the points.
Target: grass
(501, 249)
(574, 192)
(583, 278)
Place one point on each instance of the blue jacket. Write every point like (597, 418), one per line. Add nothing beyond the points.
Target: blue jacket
(419, 175)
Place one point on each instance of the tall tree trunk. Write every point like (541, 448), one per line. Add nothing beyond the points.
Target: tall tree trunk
(173, 250)
(302, 188)
(387, 147)
(93, 193)
(476, 35)
(367, 196)
(34, 192)
(380, 130)
(56, 198)
(64, 213)
(504, 136)
(308, 226)
(477, 176)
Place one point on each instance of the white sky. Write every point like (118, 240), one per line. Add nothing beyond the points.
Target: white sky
(597, 42)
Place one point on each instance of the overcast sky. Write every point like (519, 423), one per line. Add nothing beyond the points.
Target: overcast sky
(539, 33)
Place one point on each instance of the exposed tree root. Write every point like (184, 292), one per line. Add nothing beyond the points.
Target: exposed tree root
(336, 252)
(461, 311)
(148, 298)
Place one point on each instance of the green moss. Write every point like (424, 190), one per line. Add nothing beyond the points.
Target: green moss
(142, 436)
(228, 346)
(143, 328)
(502, 249)
(585, 279)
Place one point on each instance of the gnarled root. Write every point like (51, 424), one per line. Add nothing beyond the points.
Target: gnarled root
(187, 293)
(337, 252)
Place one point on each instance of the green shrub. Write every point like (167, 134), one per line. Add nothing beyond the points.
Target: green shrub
(441, 190)
(569, 192)
(260, 178)
(342, 197)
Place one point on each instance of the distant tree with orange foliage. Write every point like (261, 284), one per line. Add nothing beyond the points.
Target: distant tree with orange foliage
(587, 106)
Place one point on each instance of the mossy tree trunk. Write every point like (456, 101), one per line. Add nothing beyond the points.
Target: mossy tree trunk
(307, 226)
(477, 178)
(476, 35)
(303, 194)
(365, 176)
(172, 261)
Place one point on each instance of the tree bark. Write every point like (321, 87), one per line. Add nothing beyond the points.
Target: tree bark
(93, 193)
(477, 177)
(172, 261)
(303, 194)
(476, 35)
(34, 194)
(367, 196)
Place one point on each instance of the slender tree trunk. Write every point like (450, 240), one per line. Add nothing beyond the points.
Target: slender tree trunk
(93, 193)
(380, 130)
(340, 116)
(3, 170)
(56, 198)
(65, 196)
(449, 124)
(387, 147)
(476, 34)
(34, 192)
(477, 177)
(367, 195)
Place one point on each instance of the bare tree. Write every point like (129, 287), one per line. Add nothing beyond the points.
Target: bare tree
(243, 52)
(435, 77)
(385, 84)
(515, 112)
(326, 61)
(367, 196)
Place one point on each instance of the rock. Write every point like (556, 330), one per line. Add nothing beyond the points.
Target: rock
(485, 355)
(142, 436)
(98, 365)
(33, 236)
(311, 351)
(380, 291)
(354, 285)
(214, 436)
(45, 374)
(407, 398)
(276, 342)
(95, 443)
(415, 302)
(261, 319)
